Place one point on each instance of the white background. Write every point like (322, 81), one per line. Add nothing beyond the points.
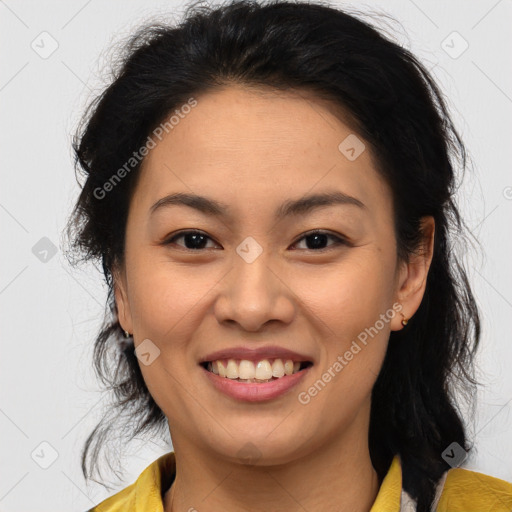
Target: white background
(51, 312)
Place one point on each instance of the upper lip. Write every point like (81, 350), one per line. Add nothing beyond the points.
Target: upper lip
(255, 354)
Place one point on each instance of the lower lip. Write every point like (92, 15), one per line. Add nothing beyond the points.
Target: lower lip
(254, 392)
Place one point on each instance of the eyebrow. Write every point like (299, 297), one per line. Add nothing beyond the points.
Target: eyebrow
(290, 208)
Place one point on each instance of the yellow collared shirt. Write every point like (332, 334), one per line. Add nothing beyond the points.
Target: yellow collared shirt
(460, 490)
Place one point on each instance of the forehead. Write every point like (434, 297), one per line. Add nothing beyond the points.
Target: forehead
(249, 147)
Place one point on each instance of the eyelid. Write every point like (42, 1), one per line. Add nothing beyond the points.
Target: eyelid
(169, 239)
(339, 239)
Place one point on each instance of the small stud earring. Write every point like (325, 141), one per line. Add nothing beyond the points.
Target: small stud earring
(127, 334)
(404, 320)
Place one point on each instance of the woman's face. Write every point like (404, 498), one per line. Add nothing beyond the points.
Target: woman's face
(257, 279)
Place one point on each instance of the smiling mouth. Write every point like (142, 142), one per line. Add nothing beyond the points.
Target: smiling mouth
(265, 370)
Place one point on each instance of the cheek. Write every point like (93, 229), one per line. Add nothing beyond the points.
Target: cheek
(351, 295)
(168, 307)
(349, 302)
(165, 297)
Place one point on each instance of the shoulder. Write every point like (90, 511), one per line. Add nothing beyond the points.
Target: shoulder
(146, 492)
(121, 501)
(470, 491)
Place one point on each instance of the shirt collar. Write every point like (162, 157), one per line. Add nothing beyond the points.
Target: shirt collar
(390, 492)
(159, 475)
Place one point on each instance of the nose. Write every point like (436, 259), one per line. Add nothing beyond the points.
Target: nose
(253, 294)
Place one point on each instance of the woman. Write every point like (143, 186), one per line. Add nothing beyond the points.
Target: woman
(291, 374)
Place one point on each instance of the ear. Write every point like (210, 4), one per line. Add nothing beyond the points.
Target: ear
(121, 298)
(412, 279)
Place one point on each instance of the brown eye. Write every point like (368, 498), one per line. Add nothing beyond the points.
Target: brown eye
(194, 240)
(315, 240)
(318, 238)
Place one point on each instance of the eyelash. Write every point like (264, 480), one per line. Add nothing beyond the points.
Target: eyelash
(339, 240)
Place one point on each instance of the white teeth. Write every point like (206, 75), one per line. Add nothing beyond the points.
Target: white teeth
(248, 371)
(278, 368)
(263, 370)
(232, 369)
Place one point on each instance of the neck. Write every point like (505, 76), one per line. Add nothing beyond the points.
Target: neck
(336, 476)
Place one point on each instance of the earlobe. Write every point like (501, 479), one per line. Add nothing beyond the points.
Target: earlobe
(413, 281)
(121, 300)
